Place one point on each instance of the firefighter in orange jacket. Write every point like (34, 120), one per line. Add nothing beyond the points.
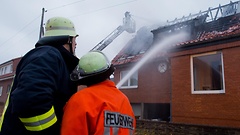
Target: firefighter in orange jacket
(100, 108)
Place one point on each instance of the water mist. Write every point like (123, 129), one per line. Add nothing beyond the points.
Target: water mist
(163, 44)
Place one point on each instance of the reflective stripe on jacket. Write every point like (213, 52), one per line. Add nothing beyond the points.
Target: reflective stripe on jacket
(40, 122)
(100, 109)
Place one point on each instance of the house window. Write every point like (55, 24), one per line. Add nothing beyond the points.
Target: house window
(6, 69)
(8, 89)
(1, 71)
(112, 77)
(1, 88)
(11, 68)
(207, 73)
(131, 82)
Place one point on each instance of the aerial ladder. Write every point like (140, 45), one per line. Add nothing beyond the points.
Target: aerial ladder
(128, 25)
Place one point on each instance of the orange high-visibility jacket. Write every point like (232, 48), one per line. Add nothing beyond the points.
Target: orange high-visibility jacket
(100, 109)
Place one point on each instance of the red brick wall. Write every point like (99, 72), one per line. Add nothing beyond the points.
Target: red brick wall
(207, 109)
(153, 86)
(15, 63)
(7, 82)
(4, 96)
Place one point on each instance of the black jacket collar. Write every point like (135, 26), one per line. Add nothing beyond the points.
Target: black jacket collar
(58, 42)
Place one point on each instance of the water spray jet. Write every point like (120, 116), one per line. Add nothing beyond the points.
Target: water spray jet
(166, 43)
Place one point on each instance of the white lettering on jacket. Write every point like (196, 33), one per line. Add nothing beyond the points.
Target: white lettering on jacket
(115, 119)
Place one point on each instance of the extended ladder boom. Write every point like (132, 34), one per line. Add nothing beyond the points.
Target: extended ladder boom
(105, 42)
(128, 25)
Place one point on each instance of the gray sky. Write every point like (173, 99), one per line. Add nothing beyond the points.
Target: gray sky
(93, 19)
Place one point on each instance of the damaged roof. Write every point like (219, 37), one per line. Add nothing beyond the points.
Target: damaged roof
(225, 23)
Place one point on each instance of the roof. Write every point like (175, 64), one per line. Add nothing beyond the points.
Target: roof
(9, 61)
(201, 31)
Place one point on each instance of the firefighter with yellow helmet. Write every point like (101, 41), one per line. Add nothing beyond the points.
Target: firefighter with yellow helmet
(99, 109)
(42, 83)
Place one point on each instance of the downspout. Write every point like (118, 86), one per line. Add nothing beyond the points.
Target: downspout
(170, 70)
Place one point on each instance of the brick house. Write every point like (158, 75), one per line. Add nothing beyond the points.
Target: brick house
(196, 81)
(7, 71)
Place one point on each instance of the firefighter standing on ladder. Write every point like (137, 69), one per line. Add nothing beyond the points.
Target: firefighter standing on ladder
(42, 84)
(99, 109)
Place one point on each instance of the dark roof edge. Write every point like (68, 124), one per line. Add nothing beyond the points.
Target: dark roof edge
(207, 43)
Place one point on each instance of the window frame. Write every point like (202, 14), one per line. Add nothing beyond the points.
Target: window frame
(192, 75)
(7, 69)
(8, 89)
(1, 90)
(129, 86)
